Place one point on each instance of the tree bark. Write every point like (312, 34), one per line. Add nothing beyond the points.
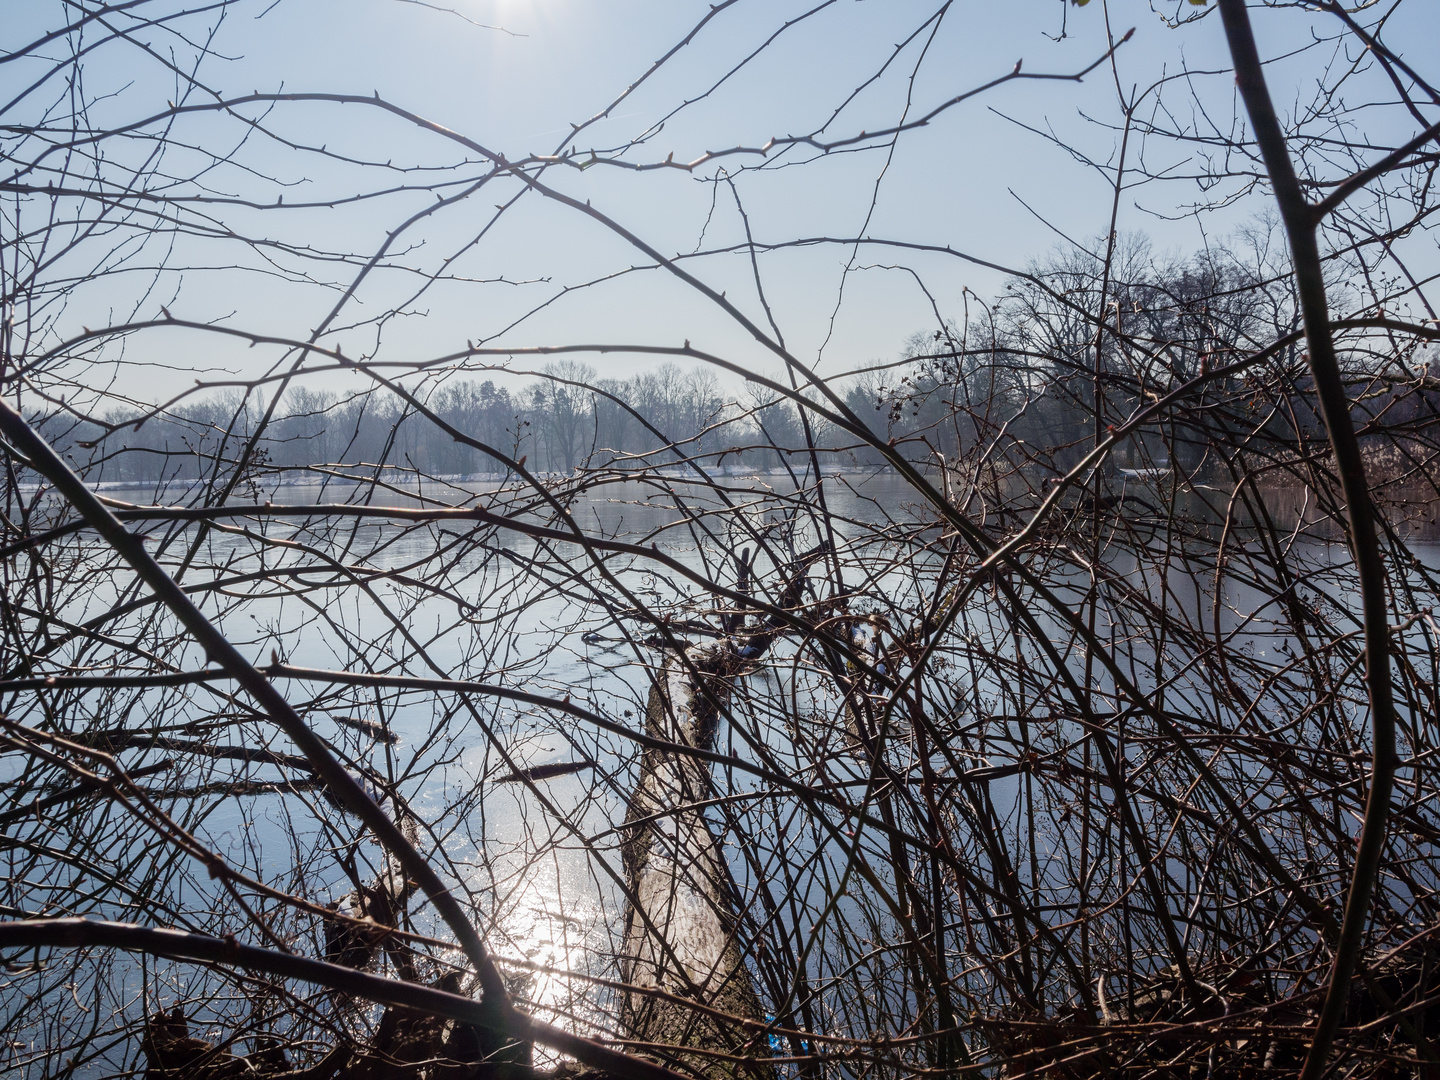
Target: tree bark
(681, 928)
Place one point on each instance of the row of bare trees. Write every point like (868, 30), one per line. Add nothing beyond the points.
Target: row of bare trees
(557, 423)
(1019, 371)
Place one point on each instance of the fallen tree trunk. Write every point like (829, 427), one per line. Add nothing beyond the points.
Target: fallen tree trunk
(681, 927)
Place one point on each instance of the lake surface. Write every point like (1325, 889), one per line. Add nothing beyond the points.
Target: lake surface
(541, 862)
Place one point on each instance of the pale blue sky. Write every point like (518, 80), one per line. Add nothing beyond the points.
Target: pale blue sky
(964, 181)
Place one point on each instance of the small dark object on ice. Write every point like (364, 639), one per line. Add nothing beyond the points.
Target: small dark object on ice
(546, 772)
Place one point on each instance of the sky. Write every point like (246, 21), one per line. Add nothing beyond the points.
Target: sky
(1004, 177)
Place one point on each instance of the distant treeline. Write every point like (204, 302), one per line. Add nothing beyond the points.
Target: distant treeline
(1017, 387)
(558, 422)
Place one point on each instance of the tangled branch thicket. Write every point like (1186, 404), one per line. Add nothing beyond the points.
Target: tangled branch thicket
(1025, 706)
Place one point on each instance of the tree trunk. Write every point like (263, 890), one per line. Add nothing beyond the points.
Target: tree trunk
(681, 929)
